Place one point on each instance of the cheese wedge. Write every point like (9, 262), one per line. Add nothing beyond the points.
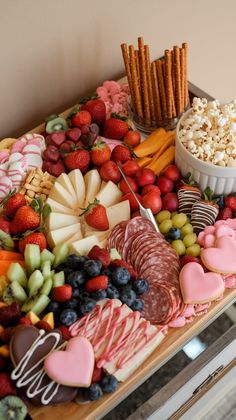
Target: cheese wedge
(61, 195)
(77, 181)
(64, 180)
(59, 220)
(75, 237)
(56, 237)
(92, 181)
(103, 184)
(100, 235)
(83, 246)
(118, 213)
(109, 195)
(59, 208)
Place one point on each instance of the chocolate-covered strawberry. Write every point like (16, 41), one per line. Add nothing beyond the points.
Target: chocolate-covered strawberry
(204, 212)
(187, 196)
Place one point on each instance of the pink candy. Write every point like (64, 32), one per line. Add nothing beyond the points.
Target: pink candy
(114, 96)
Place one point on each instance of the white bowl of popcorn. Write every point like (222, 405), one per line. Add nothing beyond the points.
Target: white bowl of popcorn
(206, 145)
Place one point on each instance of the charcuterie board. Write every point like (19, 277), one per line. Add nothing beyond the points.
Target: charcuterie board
(173, 342)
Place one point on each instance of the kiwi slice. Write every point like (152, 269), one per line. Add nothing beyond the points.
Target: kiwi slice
(6, 242)
(14, 292)
(46, 256)
(36, 304)
(56, 124)
(12, 408)
(51, 117)
(35, 282)
(8, 296)
(16, 272)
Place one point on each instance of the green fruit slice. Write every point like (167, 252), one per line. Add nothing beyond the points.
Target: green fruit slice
(56, 124)
(16, 272)
(46, 287)
(32, 257)
(36, 304)
(46, 256)
(59, 279)
(61, 252)
(8, 296)
(114, 254)
(46, 269)
(18, 292)
(35, 282)
(6, 242)
(12, 408)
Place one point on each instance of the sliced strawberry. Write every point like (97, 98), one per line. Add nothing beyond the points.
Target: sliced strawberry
(43, 325)
(97, 253)
(97, 374)
(62, 293)
(96, 283)
(65, 332)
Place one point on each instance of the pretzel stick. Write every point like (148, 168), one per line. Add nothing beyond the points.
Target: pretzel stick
(134, 76)
(149, 81)
(179, 103)
(161, 87)
(156, 96)
(144, 85)
(186, 95)
(137, 64)
(172, 72)
(182, 69)
(124, 50)
(168, 83)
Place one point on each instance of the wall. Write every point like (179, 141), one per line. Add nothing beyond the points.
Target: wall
(55, 51)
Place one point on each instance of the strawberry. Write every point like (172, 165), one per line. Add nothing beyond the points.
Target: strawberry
(100, 153)
(78, 160)
(81, 118)
(62, 293)
(13, 203)
(37, 238)
(7, 386)
(25, 321)
(4, 224)
(110, 172)
(96, 216)
(25, 219)
(65, 332)
(43, 325)
(101, 254)
(96, 283)
(10, 315)
(124, 264)
(97, 374)
(97, 110)
(187, 259)
(225, 214)
(230, 201)
(121, 153)
(115, 128)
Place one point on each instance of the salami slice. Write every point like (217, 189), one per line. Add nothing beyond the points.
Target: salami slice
(138, 224)
(157, 305)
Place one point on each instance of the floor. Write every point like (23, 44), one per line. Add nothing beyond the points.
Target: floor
(167, 372)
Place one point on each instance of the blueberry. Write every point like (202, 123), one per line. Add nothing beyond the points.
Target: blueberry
(107, 272)
(53, 307)
(68, 317)
(112, 292)
(220, 200)
(93, 393)
(71, 304)
(99, 294)
(74, 262)
(174, 233)
(64, 268)
(87, 305)
(128, 297)
(120, 276)
(84, 295)
(140, 286)
(137, 305)
(109, 384)
(75, 293)
(126, 289)
(76, 279)
(93, 267)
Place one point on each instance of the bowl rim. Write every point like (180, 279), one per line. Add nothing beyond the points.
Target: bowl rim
(196, 160)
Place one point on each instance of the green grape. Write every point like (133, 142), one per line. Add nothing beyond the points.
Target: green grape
(179, 220)
(179, 246)
(165, 226)
(173, 214)
(163, 215)
(188, 219)
(186, 229)
(190, 239)
(193, 250)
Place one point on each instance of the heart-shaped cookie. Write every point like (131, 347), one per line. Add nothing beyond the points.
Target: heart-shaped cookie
(222, 257)
(78, 359)
(199, 287)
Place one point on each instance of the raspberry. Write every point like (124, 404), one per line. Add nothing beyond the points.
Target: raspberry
(66, 335)
(97, 374)
(25, 321)
(97, 253)
(7, 387)
(43, 325)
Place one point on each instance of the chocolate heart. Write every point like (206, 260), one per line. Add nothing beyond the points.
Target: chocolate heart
(25, 340)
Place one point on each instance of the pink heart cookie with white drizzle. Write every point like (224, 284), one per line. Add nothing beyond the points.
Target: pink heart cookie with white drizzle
(222, 257)
(74, 366)
(198, 286)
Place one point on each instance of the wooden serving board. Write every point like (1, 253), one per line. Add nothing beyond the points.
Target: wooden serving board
(172, 343)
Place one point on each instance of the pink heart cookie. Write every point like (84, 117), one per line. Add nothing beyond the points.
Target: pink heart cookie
(222, 257)
(209, 240)
(74, 366)
(223, 230)
(199, 287)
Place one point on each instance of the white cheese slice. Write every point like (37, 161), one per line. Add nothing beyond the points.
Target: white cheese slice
(109, 195)
(59, 220)
(118, 213)
(92, 181)
(77, 180)
(103, 184)
(59, 208)
(83, 246)
(64, 180)
(60, 194)
(56, 237)
(75, 237)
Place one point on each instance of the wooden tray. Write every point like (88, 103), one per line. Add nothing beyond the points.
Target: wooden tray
(173, 342)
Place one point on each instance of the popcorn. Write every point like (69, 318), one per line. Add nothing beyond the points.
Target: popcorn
(209, 132)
